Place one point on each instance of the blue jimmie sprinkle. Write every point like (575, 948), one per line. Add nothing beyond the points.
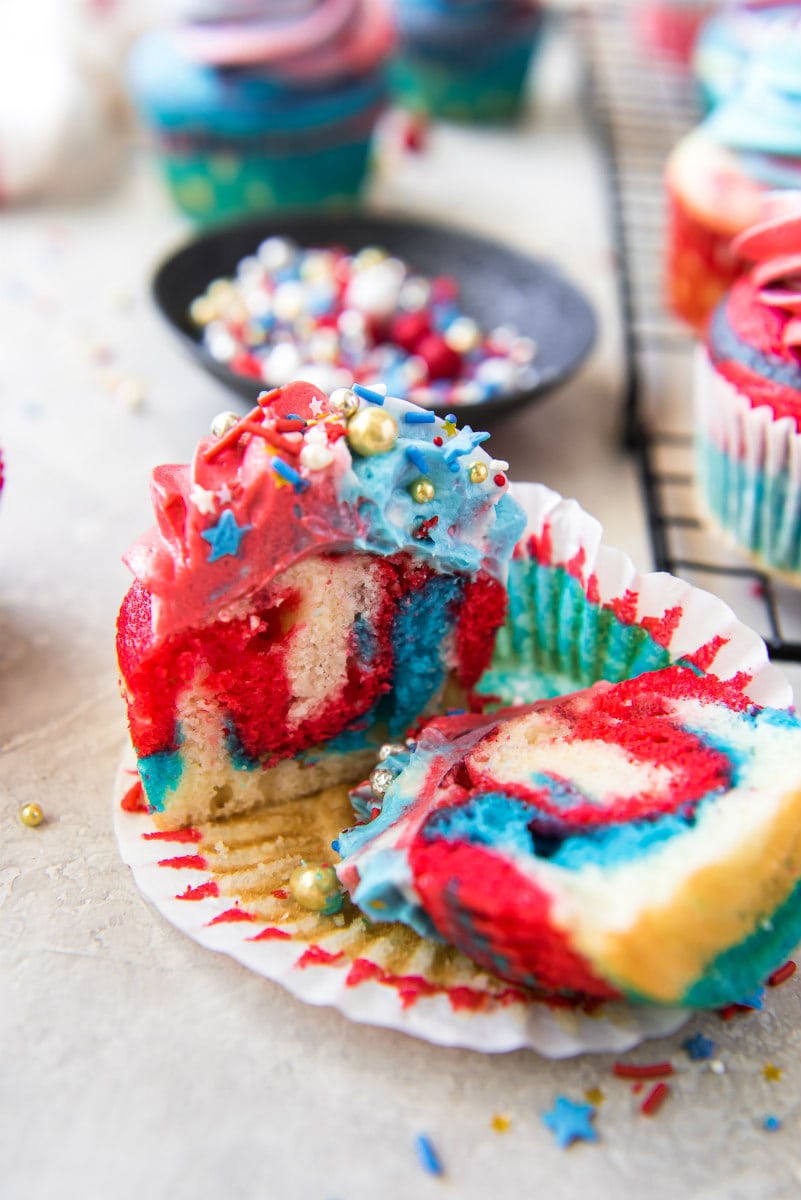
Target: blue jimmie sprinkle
(294, 417)
(367, 394)
(419, 418)
(429, 1159)
(289, 474)
(417, 457)
(756, 1000)
(771, 1123)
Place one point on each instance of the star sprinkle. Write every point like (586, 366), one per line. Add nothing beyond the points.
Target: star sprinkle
(225, 536)
(698, 1047)
(500, 1122)
(203, 500)
(570, 1122)
(449, 425)
(594, 1096)
(316, 407)
(756, 1000)
(224, 494)
(772, 1073)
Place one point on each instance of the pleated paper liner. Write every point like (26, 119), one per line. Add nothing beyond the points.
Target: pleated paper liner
(578, 612)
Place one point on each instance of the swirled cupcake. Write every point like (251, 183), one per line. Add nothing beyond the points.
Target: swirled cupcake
(717, 178)
(748, 398)
(326, 572)
(641, 839)
(464, 60)
(266, 105)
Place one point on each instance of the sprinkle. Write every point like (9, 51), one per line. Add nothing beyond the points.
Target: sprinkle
(437, 440)
(316, 407)
(202, 499)
(368, 394)
(500, 1122)
(642, 1070)
(570, 1122)
(419, 418)
(290, 425)
(655, 1099)
(499, 480)
(225, 536)
(594, 1096)
(449, 425)
(782, 974)
(427, 1155)
(717, 1067)
(288, 473)
(416, 456)
(698, 1047)
(771, 1123)
(772, 1074)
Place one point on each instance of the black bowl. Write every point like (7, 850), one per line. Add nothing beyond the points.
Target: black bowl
(497, 286)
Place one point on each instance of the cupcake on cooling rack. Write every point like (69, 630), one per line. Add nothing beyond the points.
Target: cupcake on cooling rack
(717, 178)
(265, 105)
(464, 60)
(729, 39)
(748, 398)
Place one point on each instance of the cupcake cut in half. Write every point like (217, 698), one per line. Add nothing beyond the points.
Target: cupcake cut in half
(641, 839)
(326, 572)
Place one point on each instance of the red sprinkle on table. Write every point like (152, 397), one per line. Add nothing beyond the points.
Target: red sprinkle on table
(782, 974)
(203, 891)
(642, 1070)
(655, 1099)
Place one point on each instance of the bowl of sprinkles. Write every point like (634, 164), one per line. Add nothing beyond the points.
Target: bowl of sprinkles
(449, 320)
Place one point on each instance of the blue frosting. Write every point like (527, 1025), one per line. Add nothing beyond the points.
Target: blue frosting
(765, 115)
(175, 93)
(380, 893)
(725, 345)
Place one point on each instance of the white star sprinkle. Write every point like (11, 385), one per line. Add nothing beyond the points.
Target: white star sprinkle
(202, 499)
(316, 406)
(223, 494)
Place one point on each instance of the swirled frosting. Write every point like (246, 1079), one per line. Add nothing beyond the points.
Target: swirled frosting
(285, 483)
(774, 248)
(761, 123)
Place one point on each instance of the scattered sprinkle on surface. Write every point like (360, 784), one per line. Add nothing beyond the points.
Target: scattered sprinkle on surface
(570, 1121)
(771, 1123)
(772, 1073)
(500, 1122)
(428, 1158)
(655, 1099)
(698, 1047)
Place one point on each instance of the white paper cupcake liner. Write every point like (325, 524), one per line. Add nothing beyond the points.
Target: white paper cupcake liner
(749, 471)
(624, 623)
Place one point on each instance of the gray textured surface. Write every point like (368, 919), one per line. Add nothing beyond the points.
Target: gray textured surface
(133, 1061)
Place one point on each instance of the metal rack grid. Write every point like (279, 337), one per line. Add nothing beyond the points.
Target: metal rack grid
(639, 105)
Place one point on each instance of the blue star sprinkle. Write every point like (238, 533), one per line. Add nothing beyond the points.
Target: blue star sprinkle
(757, 1000)
(698, 1047)
(225, 536)
(570, 1122)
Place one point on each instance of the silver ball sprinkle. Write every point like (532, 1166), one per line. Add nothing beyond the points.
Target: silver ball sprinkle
(389, 749)
(344, 401)
(380, 779)
(223, 422)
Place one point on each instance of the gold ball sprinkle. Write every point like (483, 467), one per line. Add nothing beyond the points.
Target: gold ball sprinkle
(316, 888)
(345, 402)
(222, 423)
(372, 431)
(422, 490)
(478, 472)
(31, 815)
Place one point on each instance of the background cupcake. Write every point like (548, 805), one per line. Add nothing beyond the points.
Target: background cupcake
(729, 39)
(464, 59)
(718, 175)
(748, 399)
(271, 105)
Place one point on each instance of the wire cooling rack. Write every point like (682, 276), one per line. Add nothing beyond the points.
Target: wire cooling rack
(639, 104)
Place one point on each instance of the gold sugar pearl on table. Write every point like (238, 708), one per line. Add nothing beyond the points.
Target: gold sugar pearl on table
(31, 815)
(478, 472)
(345, 402)
(315, 887)
(422, 490)
(222, 423)
(373, 430)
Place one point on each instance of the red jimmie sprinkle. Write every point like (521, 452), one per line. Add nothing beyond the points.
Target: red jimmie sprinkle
(655, 1099)
(642, 1070)
(782, 974)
